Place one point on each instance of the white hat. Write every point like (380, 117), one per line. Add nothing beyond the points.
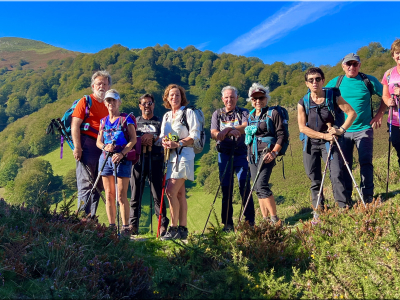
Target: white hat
(112, 94)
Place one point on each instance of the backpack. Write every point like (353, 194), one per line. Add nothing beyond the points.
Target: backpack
(198, 146)
(367, 83)
(329, 102)
(63, 125)
(134, 154)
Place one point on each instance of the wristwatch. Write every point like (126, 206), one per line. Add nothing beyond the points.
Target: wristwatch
(155, 136)
(180, 144)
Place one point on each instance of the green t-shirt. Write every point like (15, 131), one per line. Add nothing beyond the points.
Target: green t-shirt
(356, 93)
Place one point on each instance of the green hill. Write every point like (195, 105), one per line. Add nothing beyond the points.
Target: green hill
(14, 44)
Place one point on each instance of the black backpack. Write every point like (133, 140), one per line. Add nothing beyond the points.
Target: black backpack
(367, 83)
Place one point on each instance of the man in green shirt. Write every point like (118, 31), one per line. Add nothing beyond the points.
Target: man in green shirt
(355, 91)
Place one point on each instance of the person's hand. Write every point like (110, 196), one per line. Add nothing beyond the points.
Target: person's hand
(117, 157)
(109, 148)
(328, 136)
(335, 131)
(169, 144)
(147, 139)
(392, 102)
(222, 134)
(235, 133)
(77, 153)
(376, 121)
(270, 156)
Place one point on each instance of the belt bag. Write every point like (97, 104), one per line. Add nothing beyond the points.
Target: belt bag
(269, 140)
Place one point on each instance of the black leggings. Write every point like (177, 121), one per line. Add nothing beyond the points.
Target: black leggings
(262, 185)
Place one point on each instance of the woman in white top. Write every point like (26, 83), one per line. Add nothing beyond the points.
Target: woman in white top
(181, 161)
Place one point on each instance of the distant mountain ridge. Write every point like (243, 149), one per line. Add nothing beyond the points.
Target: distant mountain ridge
(20, 54)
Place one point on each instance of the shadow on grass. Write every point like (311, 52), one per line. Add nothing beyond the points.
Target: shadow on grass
(304, 214)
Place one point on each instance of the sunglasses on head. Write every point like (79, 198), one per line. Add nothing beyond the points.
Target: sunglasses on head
(147, 104)
(317, 79)
(354, 64)
(258, 98)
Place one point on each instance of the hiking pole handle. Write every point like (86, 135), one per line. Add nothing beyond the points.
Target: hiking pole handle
(144, 149)
(149, 148)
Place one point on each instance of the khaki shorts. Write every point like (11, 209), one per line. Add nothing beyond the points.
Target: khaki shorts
(185, 170)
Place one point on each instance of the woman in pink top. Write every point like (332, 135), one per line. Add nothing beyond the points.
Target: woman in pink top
(391, 83)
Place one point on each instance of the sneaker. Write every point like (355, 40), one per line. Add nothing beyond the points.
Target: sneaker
(274, 219)
(126, 232)
(172, 234)
(163, 230)
(112, 227)
(227, 228)
(183, 231)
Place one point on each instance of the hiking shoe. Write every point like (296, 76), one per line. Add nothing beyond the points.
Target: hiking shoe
(133, 230)
(183, 231)
(112, 227)
(316, 215)
(172, 234)
(227, 228)
(126, 232)
(163, 230)
(274, 219)
(368, 199)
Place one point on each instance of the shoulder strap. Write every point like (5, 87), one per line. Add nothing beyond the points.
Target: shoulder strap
(339, 81)
(306, 102)
(370, 88)
(329, 101)
(88, 105)
(184, 119)
(389, 73)
(102, 123)
(240, 113)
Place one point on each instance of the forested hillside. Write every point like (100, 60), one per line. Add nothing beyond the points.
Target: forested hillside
(30, 98)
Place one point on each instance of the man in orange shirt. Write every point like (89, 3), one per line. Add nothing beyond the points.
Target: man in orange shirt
(84, 137)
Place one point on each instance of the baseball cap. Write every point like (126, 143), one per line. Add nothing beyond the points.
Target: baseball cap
(112, 94)
(350, 57)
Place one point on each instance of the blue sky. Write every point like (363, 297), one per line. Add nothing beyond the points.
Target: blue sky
(315, 32)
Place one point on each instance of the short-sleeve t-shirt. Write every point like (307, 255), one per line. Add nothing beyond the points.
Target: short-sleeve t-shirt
(222, 119)
(97, 112)
(319, 114)
(355, 92)
(394, 78)
(112, 131)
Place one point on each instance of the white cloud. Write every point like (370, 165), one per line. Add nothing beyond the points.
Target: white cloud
(280, 24)
(202, 45)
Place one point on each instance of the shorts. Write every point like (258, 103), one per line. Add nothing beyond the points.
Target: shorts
(123, 169)
(185, 170)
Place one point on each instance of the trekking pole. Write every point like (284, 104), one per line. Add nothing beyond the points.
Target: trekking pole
(323, 176)
(142, 185)
(150, 178)
(116, 198)
(245, 188)
(390, 142)
(230, 184)
(61, 129)
(261, 162)
(165, 182)
(216, 195)
(348, 169)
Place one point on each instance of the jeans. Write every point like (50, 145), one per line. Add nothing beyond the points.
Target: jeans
(312, 165)
(241, 168)
(89, 163)
(364, 141)
(155, 187)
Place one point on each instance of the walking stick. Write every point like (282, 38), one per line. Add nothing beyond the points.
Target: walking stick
(141, 187)
(150, 178)
(230, 185)
(95, 183)
(116, 198)
(216, 195)
(323, 176)
(348, 169)
(244, 191)
(390, 142)
(166, 159)
(261, 162)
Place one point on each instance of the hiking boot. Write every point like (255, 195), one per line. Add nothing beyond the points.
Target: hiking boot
(163, 230)
(126, 232)
(227, 228)
(172, 234)
(368, 199)
(133, 230)
(183, 231)
(112, 227)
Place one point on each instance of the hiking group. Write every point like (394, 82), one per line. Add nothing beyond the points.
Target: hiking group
(122, 149)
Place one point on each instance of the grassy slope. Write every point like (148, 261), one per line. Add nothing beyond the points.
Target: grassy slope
(292, 194)
(12, 44)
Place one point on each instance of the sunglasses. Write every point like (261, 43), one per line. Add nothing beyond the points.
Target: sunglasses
(354, 64)
(317, 79)
(258, 98)
(147, 104)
